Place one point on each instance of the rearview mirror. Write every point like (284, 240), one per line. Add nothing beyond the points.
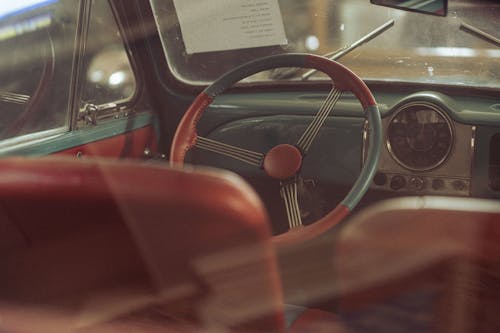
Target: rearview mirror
(433, 7)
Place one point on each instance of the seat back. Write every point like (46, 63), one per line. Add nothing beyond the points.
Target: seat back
(430, 257)
(100, 240)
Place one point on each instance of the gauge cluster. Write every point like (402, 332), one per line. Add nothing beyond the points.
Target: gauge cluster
(425, 152)
(420, 136)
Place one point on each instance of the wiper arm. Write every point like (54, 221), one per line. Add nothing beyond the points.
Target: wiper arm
(286, 73)
(479, 33)
(348, 48)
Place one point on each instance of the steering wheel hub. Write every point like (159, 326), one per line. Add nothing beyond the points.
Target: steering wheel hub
(283, 161)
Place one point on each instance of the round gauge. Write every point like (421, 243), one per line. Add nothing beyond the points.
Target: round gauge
(420, 136)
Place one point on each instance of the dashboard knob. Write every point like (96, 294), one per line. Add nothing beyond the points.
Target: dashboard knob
(459, 185)
(398, 182)
(380, 179)
(437, 184)
(416, 184)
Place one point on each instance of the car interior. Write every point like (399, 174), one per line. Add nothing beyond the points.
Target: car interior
(250, 166)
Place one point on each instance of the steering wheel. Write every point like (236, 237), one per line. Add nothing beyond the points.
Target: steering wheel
(284, 161)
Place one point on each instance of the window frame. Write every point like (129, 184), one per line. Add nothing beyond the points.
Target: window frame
(87, 114)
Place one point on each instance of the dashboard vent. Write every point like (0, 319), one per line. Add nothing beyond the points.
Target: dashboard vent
(494, 164)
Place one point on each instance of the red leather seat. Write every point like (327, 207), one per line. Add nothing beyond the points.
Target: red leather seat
(95, 240)
(117, 245)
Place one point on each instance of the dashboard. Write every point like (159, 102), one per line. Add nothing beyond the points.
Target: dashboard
(435, 143)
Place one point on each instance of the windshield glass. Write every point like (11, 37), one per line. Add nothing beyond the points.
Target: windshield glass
(201, 42)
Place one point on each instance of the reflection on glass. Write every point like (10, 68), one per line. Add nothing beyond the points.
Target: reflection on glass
(434, 7)
(109, 76)
(19, 6)
(29, 15)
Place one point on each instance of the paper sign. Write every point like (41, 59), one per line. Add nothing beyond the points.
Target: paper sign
(218, 25)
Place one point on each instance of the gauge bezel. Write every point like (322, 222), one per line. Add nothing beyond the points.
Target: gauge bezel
(449, 125)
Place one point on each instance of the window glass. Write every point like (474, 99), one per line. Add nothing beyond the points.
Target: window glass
(108, 73)
(418, 48)
(36, 51)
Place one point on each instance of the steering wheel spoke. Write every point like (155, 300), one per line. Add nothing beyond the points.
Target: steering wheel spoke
(11, 97)
(241, 154)
(312, 130)
(289, 193)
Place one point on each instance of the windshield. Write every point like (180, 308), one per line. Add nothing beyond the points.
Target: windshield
(203, 42)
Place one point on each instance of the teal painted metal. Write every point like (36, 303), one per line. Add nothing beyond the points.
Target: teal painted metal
(295, 103)
(464, 109)
(370, 167)
(70, 139)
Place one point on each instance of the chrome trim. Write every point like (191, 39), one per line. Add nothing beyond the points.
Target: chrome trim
(438, 110)
(11, 97)
(364, 145)
(80, 46)
(472, 152)
(472, 144)
(89, 113)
